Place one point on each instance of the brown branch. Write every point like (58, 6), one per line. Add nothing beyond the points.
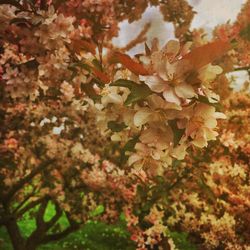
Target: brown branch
(37, 235)
(19, 6)
(15, 235)
(57, 236)
(179, 179)
(30, 206)
(55, 218)
(10, 222)
(247, 68)
(16, 187)
(5, 218)
(139, 39)
(40, 214)
(24, 201)
(12, 2)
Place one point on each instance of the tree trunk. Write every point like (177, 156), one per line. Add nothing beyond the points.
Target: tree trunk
(35, 239)
(31, 246)
(16, 238)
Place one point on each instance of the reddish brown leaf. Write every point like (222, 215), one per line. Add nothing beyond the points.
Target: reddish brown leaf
(130, 64)
(89, 46)
(207, 53)
(79, 45)
(102, 76)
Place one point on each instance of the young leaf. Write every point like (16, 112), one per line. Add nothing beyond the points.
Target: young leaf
(101, 76)
(178, 133)
(137, 91)
(80, 64)
(79, 45)
(97, 211)
(130, 147)
(130, 64)
(116, 127)
(207, 53)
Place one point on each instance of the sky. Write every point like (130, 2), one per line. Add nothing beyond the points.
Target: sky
(213, 12)
(209, 14)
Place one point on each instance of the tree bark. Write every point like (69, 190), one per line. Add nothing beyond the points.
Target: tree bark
(18, 242)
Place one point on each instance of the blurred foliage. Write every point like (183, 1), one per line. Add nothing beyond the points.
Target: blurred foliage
(181, 241)
(93, 235)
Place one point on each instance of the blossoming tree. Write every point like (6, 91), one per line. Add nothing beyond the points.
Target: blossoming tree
(83, 124)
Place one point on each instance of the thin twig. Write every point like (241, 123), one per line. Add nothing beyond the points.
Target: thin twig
(247, 68)
(139, 39)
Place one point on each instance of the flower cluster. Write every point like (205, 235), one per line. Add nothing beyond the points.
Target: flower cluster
(167, 104)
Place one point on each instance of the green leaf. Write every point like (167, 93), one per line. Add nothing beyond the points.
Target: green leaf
(176, 163)
(205, 100)
(122, 217)
(89, 90)
(97, 64)
(80, 64)
(130, 147)
(137, 91)
(245, 33)
(207, 190)
(181, 241)
(99, 210)
(116, 127)
(32, 64)
(178, 133)
(21, 21)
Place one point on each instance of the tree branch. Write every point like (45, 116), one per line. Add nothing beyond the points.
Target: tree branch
(57, 236)
(179, 179)
(38, 234)
(24, 201)
(40, 214)
(61, 235)
(30, 206)
(247, 68)
(55, 218)
(5, 219)
(25, 180)
(12, 2)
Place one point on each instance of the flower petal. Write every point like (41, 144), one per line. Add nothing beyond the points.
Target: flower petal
(155, 83)
(210, 122)
(141, 117)
(158, 63)
(172, 47)
(185, 91)
(170, 96)
(200, 142)
(179, 152)
(133, 158)
(219, 115)
(112, 98)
